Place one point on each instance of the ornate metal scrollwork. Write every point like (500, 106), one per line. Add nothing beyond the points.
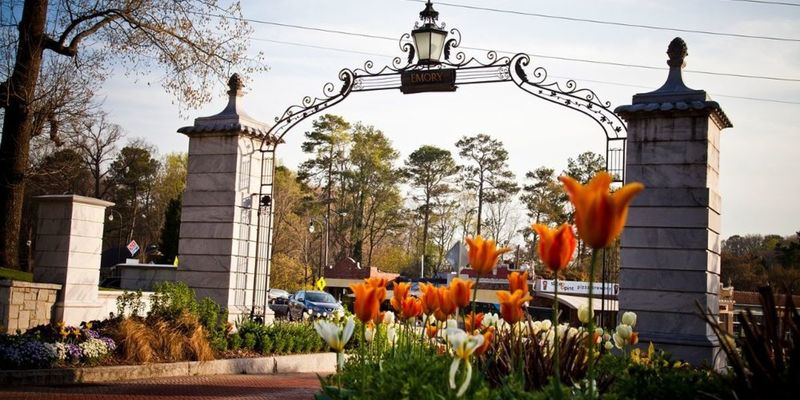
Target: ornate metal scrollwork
(309, 106)
(569, 95)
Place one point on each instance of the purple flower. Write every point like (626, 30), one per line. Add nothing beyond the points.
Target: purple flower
(90, 334)
(73, 351)
(109, 343)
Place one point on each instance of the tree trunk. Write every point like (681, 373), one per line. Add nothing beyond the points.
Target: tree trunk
(480, 206)
(18, 126)
(426, 221)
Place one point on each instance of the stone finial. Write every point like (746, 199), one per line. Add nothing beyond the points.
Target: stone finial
(235, 85)
(677, 52)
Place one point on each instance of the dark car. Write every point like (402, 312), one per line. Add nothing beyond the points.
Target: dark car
(315, 302)
(279, 302)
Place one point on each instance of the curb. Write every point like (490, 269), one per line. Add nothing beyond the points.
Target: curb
(320, 363)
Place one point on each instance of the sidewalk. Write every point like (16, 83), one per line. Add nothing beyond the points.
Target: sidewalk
(241, 387)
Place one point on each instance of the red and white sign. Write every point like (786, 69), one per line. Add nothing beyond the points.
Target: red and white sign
(133, 247)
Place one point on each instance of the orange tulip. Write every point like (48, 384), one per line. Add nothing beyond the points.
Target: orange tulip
(431, 330)
(460, 291)
(380, 285)
(511, 305)
(483, 254)
(411, 308)
(517, 281)
(473, 322)
(430, 298)
(487, 341)
(599, 214)
(555, 246)
(366, 306)
(399, 294)
(446, 305)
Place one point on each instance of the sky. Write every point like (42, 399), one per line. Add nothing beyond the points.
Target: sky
(759, 184)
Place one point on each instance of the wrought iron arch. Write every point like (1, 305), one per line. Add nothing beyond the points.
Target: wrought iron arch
(491, 68)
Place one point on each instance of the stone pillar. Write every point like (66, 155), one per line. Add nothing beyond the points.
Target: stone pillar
(217, 248)
(69, 241)
(671, 244)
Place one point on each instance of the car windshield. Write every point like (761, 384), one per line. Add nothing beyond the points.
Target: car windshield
(320, 297)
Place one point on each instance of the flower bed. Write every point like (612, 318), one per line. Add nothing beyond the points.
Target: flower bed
(177, 328)
(47, 346)
(437, 347)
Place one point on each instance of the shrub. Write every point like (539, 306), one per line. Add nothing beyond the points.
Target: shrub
(171, 299)
(249, 341)
(765, 360)
(235, 341)
(130, 304)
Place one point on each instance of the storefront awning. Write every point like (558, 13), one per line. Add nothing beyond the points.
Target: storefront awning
(576, 302)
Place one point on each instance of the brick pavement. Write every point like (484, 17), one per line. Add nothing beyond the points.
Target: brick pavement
(239, 387)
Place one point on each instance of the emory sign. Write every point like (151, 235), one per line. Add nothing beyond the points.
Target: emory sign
(428, 80)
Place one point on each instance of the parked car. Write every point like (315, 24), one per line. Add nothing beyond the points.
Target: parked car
(279, 302)
(313, 301)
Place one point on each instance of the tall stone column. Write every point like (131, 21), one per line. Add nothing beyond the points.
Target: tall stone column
(69, 241)
(671, 244)
(219, 216)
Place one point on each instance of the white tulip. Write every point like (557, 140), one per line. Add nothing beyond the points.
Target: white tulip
(547, 324)
(608, 345)
(624, 331)
(585, 315)
(388, 318)
(629, 318)
(369, 333)
(336, 336)
(391, 334)
(463, 345)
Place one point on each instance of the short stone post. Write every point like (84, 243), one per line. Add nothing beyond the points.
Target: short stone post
(671, 245)
(217, 248)
(69, 241)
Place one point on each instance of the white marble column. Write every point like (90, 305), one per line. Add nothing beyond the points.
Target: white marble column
(69, 241)
(671, 244)
(219, 218)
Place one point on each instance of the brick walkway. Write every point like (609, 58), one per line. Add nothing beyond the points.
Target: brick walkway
(240, 387)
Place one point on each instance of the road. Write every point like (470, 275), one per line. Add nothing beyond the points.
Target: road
(240, 387)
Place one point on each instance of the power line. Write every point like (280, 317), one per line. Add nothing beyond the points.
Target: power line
(554, 76)
(775, 3)
(545, 56)
(615, 23)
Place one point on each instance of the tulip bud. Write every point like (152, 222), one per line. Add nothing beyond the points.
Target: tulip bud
(608, 345)
(624, 331)
(547, 324)
(584, 314)
(629, 318)
(388, 318)
(369, 333)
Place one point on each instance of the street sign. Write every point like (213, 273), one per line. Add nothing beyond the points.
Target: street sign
(428, 80)
(320, 284)
(133, 247)
(457, 256)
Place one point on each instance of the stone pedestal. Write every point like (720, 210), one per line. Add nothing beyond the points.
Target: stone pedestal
(217, 248)
(69, 240)
(671, 244)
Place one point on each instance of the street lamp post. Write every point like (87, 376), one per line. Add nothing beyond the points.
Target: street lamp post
(308, 244)
(119, 230)
(429, 38)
